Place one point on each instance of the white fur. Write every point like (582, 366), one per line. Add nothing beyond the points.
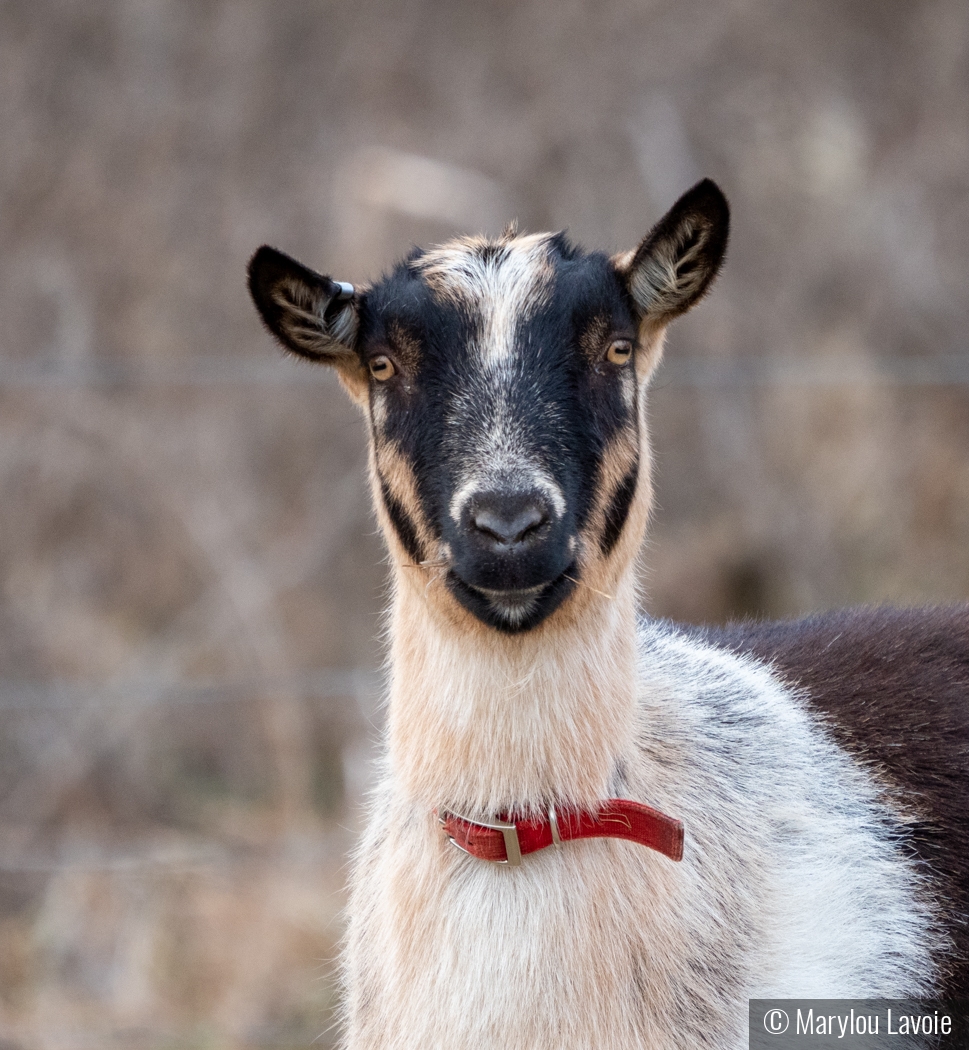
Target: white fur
(790, 884)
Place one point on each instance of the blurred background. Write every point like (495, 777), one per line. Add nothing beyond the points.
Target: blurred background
(190, 578)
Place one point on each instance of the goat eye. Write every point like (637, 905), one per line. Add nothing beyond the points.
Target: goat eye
(620, 351)
(381, 367)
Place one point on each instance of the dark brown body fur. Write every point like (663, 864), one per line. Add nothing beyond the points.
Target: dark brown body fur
(893, 688)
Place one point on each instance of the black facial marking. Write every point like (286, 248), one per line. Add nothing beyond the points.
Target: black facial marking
(403, 526)
(491, 377)
(496, 435)
(618, 510)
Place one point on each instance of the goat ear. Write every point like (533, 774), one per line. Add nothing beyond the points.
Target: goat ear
(309, 314)
(678, 260)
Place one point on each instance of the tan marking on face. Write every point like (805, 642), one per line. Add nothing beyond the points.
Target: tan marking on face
(405, 348)
(378, 408)
(649, 349)
(605, 574)
(353, 379)
(398, 474)
(627, 380)
(616, 462)
(592, 341)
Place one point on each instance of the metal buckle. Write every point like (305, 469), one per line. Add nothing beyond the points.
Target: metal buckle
(553, 821)
(508, 831)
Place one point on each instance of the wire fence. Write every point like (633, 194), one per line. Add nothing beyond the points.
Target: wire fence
(360, 684)
(938, 371)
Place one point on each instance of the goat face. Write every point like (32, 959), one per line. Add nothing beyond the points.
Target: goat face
(502, 380)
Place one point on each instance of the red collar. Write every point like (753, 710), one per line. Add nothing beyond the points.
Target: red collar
(506, 842)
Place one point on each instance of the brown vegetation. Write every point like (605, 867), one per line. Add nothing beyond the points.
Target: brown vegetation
(190, 582)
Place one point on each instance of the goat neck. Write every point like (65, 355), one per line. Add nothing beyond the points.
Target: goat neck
(485, 723)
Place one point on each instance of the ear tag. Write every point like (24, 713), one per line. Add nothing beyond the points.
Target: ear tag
(345, 290)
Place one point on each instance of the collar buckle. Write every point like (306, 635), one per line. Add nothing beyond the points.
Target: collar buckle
(509, 832)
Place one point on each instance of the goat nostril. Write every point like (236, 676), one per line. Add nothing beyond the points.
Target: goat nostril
(509, 530)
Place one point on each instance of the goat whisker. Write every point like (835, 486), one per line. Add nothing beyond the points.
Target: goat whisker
(582, 583)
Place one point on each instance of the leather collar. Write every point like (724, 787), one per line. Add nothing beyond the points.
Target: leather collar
(507, 841)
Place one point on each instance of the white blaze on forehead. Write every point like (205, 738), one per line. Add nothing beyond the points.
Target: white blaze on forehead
(505, 285)
(503, 282)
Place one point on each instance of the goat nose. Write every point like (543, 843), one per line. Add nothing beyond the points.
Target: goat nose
(506, 523)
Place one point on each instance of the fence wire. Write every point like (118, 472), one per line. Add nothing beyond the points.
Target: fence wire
(939, 371)
(362, 685)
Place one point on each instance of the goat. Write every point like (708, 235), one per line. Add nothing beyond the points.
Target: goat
(819, 768)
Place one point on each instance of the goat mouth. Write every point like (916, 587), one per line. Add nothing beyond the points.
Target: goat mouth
(513, 610)
(511, 596)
